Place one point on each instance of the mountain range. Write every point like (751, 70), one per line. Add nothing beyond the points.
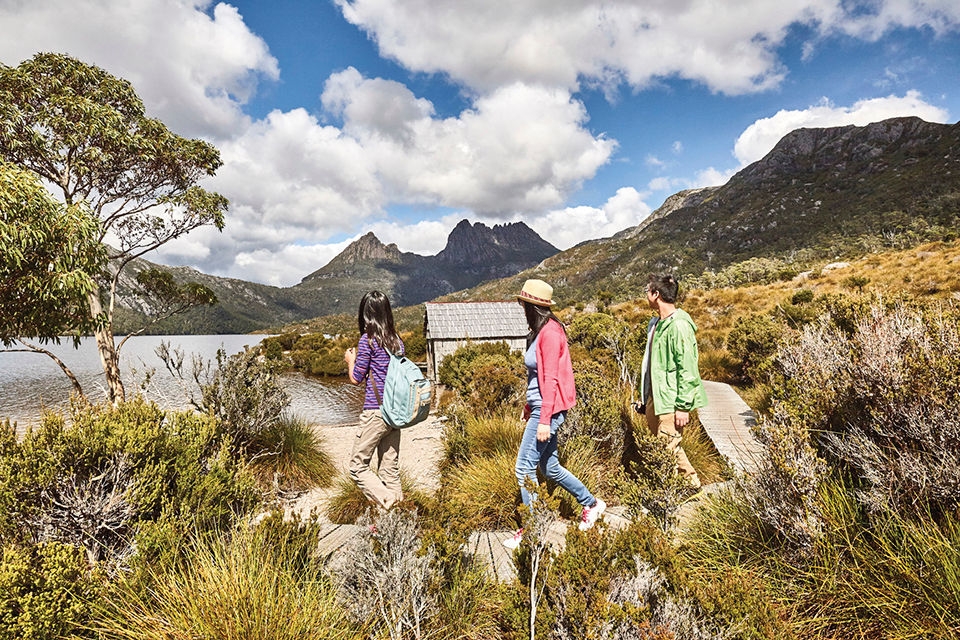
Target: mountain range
(474, 253)
(819, 195)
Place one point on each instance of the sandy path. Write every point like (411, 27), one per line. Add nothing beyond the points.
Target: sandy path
(420, 451)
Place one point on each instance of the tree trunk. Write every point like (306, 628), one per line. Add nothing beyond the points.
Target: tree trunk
(109, 356)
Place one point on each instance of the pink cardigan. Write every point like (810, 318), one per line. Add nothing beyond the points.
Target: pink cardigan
(554, 372)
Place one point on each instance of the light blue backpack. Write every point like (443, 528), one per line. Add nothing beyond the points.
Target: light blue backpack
(406, 393)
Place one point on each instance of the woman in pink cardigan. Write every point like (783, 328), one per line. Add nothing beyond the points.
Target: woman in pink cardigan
(550, 393)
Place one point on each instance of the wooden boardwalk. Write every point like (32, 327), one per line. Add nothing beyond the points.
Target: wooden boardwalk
(728, 421)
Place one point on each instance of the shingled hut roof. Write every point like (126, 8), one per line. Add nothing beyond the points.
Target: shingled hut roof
(474, 320)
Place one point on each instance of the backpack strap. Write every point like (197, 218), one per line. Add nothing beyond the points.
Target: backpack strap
(373, 378)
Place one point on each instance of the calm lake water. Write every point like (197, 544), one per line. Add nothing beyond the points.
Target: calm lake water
(30, 382)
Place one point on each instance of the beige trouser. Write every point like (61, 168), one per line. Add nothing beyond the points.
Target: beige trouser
(664, 427)
(376, 436)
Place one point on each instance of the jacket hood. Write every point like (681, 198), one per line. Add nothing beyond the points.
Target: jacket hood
(680, 316)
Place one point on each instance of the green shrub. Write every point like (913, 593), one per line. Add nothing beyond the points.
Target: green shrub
(245, 396)
(119, 474)
(598, 413)
(45, 591)
(487, 376)
(753, 341)
(802, 296)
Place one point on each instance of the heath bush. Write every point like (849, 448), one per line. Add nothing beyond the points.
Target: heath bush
(487, 376)
(45, 591)
(598, 413)
(753, 341)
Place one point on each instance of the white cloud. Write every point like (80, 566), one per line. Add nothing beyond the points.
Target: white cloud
(653, 161)
(677, 147)
(760, 137)
(193, 70)
(520, 148)
(711, 177)
(567, 227)
(518, 152)
(728, 46)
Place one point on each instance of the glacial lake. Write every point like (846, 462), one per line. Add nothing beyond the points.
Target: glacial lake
(31, 382)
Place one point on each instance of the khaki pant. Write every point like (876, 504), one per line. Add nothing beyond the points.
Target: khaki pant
(376, 436)
(664, 427)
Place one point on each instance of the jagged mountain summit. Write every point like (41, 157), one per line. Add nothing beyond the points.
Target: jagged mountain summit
(818, 195)
(474, 253)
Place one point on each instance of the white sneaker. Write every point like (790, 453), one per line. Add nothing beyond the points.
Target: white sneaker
(590, 515)
(513, 541)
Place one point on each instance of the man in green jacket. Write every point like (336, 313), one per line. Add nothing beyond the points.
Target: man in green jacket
(670, 385)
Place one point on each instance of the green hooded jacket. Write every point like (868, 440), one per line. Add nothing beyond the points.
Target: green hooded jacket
(674, 369)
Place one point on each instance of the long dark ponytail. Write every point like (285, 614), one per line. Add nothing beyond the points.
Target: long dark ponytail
(537, 318)
(375, 320)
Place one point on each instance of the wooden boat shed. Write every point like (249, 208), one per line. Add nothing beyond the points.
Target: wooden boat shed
(450, 325)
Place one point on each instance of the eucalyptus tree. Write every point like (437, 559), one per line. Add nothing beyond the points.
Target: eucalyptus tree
(86, 134)
(51, 254)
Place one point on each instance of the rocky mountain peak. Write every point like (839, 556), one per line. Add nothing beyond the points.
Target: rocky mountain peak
(838, 148)
(365, 249)
(477, 244)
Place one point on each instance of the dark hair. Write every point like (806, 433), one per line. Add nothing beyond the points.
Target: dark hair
(375, 320)
(666, 285)
(537, 317)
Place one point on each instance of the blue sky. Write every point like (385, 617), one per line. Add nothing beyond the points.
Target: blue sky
(578, 117)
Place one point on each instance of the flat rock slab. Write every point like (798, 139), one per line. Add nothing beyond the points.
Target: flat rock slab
(729, 421)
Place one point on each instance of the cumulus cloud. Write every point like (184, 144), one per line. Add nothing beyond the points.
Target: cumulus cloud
(517, 152)
(520, 148)
(567, 227)
(193, 69)
(728, 46)
(760, 137)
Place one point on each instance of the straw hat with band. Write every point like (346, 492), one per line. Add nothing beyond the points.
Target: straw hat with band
(537, 292)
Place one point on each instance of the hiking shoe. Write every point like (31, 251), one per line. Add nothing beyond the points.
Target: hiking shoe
(591, 514)
(513, 541)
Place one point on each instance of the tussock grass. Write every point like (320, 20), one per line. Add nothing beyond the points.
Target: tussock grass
(701, 453)
(348, 503)
(292, 457)
(485, 489)
(869, 576)
(239, 587)
(481, 436)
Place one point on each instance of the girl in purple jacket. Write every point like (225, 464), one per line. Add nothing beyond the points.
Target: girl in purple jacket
(368, 362)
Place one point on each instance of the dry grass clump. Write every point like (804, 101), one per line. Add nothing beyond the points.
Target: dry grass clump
(485, 491)
(348, 504)
(244, 586)
(292, 457)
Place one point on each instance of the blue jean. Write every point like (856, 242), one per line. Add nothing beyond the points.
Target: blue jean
(534, 453)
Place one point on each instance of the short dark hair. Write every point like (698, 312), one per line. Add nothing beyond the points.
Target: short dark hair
(666, 285)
